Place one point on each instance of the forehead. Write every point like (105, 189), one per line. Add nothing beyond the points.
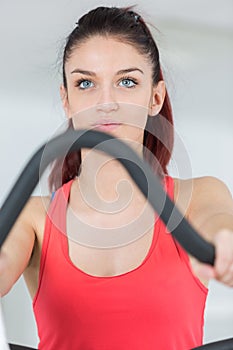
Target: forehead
(105, 53)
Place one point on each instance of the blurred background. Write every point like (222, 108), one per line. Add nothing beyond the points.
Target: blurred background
(195, 39)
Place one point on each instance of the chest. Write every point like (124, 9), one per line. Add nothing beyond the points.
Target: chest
(109, 248)
(113, 244)
(158, 298)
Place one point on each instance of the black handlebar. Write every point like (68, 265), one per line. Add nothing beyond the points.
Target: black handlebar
(140, 172)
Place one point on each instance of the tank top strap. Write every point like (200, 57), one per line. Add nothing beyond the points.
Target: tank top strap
(53, 218)
(159, 226)
(169, 186)
(58, 207)
(61, 196)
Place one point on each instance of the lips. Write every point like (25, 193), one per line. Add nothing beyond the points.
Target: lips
(106, 124)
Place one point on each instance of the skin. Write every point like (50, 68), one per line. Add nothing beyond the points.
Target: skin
(206, 202)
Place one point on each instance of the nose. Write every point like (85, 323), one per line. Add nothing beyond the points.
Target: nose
(107, 102)
(107, 107)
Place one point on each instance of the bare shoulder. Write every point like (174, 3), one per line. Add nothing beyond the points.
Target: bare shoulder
(196, 193)
(32, 218)
(32, 213)
(37, 204)
(203, 198)
(211, 193)
(209, 184)
(201, 189)
(36, 210)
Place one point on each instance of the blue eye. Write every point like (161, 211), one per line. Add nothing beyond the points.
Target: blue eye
(84, 84)
(129, 83)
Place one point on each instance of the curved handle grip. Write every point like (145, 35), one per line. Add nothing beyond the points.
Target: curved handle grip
(140, 172)
(226, 344)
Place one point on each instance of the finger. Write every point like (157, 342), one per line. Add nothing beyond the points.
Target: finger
(224, 252)
(227, 278)
(202, 270)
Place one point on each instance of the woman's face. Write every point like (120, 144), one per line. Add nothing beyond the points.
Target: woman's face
(109, 88)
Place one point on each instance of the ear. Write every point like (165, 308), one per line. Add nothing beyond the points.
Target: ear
(157, 98)
(65, 102)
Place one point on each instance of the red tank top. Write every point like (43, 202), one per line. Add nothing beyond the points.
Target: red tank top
(158, 305)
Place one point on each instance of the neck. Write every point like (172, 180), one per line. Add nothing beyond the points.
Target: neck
(104, 183)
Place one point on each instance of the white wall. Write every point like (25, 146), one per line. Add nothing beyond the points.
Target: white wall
(197, 56)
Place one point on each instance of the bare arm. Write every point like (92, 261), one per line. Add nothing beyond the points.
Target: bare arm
(17, 249)
(211, 213)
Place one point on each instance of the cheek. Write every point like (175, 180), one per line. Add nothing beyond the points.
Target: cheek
(134, 114)
(83, 118)
(78, 103)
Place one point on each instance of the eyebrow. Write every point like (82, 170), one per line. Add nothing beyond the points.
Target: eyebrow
(122, 71)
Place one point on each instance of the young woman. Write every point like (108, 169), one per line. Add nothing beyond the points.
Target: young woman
(144, 293)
